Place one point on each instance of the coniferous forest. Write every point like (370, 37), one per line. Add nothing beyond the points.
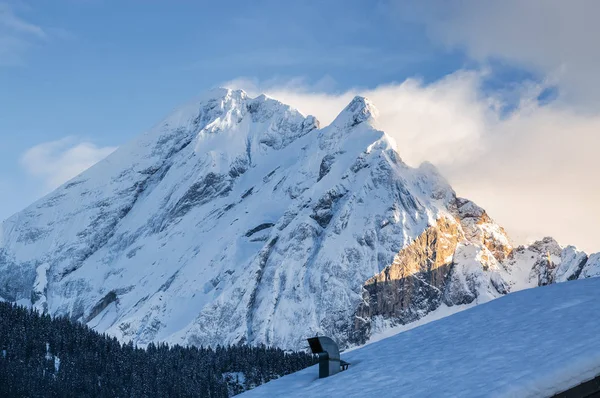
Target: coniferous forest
(41, 356)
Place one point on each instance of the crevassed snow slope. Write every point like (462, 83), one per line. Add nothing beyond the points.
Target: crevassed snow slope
(532, 343)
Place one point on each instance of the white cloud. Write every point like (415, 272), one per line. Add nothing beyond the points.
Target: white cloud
(431, 122)
(56, 162)
(535, 171)
(552, 37)
(16, 35)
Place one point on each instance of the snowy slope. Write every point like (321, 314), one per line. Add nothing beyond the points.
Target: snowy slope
(238, 219)
(532, 343)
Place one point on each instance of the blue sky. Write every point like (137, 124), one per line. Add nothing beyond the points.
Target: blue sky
(92, 74)
(104, 71)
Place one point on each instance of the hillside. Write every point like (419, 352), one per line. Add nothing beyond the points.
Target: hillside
(533, 343)
(41, 356)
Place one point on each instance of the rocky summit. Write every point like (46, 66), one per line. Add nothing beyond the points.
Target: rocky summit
(240, 220)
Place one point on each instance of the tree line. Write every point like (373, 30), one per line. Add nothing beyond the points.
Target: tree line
(42, 356)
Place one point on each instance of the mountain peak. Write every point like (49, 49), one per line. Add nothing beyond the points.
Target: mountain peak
(180, 236)
(222, 92)
(359, 110)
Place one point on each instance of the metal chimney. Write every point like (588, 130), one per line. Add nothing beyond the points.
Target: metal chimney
(329, 356)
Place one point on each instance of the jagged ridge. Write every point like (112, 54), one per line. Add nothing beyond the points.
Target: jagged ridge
(238, 219)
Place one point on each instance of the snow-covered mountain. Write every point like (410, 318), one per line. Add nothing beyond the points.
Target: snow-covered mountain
(238, 219)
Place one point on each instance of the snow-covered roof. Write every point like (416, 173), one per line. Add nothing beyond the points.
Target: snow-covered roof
(533, 343)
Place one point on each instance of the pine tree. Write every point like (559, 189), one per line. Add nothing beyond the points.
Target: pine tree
(93, 364)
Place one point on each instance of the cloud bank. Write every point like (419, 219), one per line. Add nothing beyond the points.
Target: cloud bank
(554, 38)
(56, 162)
(535, 170)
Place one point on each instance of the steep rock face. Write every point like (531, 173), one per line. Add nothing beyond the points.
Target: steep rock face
(544, 262)
(464, 260)
(449, 263)
(569, 264)
(238, 219)
(572, 262)
(476, 275)
(413, 284)
(591, 268)
(479, 228)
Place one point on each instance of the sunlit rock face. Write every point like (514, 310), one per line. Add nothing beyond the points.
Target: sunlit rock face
(413, 284)
(444, 265)
(467, 259)
(241, 220)
(479, 228)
